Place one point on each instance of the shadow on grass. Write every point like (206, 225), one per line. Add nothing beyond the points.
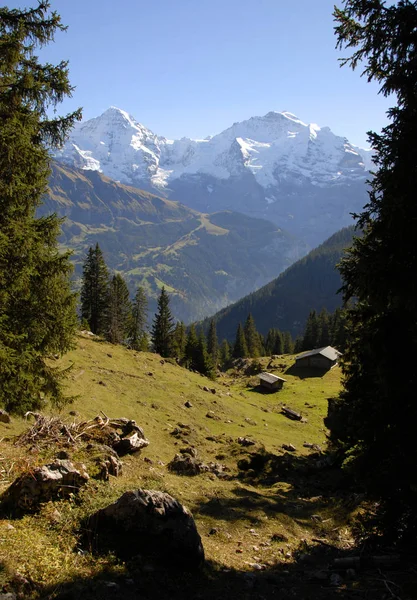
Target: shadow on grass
(305, 372)
(259, 389)
(311, 576)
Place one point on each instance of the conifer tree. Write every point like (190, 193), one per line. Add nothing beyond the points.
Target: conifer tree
(212, 343)
(311, 332)
(270, 341)
(191, 348)
(204, 364)
(377, 407)
(225, 353)
(240, 348)
(138, 339)
(251, 337)
(163, 327)
(287, 343)
(95, 290)
(278, 347)
(180, 340)
(37, 306)
(118, 312)
(323, 323)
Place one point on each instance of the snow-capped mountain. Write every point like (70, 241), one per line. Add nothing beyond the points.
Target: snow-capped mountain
(303, 177)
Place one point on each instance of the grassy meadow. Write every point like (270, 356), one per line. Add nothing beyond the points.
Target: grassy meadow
(255, 525)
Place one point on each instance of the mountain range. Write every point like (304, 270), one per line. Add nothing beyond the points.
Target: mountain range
(302, 177)
(205, 261)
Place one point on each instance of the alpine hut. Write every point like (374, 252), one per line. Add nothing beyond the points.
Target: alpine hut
(271, 382)
(321, 358)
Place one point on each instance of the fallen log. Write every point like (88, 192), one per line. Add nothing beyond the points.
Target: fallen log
(291, 414)
(367, 561)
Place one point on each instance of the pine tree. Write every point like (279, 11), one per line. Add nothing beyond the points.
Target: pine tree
(311, 332)
(323, 320)
(225, 353)
(118, 312)
(138, 339)
(287, 343)
(270, 341)
(180, 341)
(251, 337)
(37, 306)
(240, 349)
(377, 407)
(204, 364)
(212, 343)
(163, 327)
(278, 343)
(191, 348)
(95, 291)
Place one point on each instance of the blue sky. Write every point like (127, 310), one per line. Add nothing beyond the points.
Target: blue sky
(193, 67)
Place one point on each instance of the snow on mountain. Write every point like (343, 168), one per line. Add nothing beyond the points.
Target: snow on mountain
(256, 166)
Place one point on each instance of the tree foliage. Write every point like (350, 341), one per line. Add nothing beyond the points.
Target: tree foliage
(138, 339)
(95, 290)
(119, 311)
(163, 326)
(377, 407)
(37, 307)
(240, 348)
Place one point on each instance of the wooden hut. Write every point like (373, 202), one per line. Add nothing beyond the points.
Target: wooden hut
(271, 382)
(321, 358)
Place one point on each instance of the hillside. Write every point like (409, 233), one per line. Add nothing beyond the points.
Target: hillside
(273, 522)
(310, 283)
(204, 261)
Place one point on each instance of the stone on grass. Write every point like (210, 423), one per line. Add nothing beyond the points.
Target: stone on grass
(56, 480)
(4, 416)
(147, 523)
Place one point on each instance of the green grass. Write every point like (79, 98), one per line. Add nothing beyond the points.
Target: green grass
(143, 387)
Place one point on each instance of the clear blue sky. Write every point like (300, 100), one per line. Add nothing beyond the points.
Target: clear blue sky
(193, 67)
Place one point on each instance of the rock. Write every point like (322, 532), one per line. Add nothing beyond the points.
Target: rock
(185, 465)
(131, 444)
(336, 580)
(289, 447)
(213, 531)
(250, 421)
(206, 389)
(8, 596)
(213, 390)
(147, 523)
(53, 481)
(188, 404)
(73, 413)
(212, 415)
(191, 451)
(4, 416)
(244, 441)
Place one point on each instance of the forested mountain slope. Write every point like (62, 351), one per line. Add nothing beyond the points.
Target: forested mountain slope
(311, 283)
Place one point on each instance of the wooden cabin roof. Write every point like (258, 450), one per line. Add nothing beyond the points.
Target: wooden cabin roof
(327, 351)
(270, 378)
